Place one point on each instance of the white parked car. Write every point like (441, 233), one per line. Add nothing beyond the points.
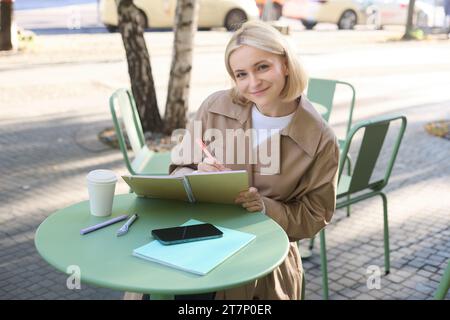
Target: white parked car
(427, 13)
(160, 13)
(345, 13)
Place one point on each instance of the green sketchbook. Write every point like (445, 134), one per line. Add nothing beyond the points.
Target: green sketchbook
(213, 187)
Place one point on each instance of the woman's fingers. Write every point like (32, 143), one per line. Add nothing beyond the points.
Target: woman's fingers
(214, 163)
(250, 195)
(253, 190)
(250, 200)
(204, 167)
(211, 167)
(251, 204)
(243, 200)
(254, 209)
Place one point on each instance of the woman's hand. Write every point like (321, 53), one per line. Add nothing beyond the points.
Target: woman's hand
(250, 200)
(211, 166)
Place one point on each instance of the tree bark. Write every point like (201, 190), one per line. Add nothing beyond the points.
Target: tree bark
(409, 21)
(131, 27)
(177, 103)
(267, 14)
(6, 13)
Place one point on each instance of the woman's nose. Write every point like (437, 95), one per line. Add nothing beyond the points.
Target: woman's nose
(254, 80)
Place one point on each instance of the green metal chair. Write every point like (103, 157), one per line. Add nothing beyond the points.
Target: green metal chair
(444, 285)
(359, 182)
(145, 162)
(321, 94)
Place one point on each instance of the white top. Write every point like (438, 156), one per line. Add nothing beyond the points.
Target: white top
(265, 126)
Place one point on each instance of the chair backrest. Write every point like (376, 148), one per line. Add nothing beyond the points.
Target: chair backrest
(375, 131)
(122, 103)
(321, 93)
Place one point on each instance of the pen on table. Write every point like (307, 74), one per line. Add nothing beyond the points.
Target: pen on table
(103, 224)
(208, 154)
(124, 229)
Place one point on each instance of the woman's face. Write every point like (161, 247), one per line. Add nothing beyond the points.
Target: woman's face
(260, 75)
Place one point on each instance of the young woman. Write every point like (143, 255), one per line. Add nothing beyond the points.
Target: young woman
(299, 193)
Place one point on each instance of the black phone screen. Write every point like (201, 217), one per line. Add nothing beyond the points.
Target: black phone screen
(186, 233)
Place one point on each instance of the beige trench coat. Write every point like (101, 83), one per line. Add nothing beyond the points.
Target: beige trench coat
(300, 196)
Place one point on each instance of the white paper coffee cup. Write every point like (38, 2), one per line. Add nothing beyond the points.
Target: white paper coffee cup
(101, 186)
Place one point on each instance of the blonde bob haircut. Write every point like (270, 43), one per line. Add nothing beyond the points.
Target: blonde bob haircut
(262, 36)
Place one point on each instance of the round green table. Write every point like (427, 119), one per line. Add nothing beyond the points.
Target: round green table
(106, 260)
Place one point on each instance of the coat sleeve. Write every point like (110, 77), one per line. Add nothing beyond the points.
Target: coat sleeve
(312, 209)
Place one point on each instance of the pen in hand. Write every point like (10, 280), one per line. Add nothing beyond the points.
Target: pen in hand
(212, 161)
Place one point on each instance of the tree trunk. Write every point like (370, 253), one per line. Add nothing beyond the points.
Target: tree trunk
(6, 12)
(409, 21)
(180, 72)
(131, 27)
(267, 14)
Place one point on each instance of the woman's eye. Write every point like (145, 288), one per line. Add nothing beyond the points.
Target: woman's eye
(263, 67)
(240, 75)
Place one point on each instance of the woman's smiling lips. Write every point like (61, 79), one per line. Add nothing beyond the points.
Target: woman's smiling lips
(260, 92)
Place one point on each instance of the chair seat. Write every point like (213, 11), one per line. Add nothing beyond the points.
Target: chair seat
(344, 186)
(150, 162)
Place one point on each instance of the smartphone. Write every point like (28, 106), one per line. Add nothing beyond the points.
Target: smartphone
(183, 234)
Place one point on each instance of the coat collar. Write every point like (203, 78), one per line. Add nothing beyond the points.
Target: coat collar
(304, 129)
(230, 109)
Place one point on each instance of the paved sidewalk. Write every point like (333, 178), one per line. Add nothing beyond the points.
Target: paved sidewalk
(50, 116)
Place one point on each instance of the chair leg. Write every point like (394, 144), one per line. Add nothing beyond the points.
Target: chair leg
(303, 286)
(305, 253)
(387, 263)
(349, 172)
(443, 285)
(323, 263)
(311, 243)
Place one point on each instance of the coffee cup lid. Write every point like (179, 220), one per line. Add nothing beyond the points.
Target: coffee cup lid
(101, 176)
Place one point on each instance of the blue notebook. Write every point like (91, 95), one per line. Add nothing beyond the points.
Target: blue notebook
(198, 257)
